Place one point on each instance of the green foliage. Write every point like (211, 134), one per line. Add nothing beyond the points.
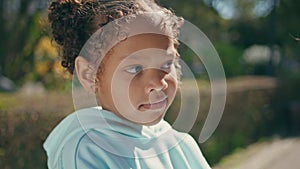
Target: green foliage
(19, 36)
(231, 57)
(26, 24)
(203, 16)
(25, 124)
(245, 121)
(14, 144)
(286, 107)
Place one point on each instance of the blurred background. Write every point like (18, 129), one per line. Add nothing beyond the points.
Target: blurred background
(258, 44)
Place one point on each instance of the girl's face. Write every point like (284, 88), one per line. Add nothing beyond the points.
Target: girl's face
(139, 78)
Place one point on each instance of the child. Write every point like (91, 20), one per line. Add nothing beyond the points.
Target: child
(130, 61)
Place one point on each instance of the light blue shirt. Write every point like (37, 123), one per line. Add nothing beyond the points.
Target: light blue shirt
(98, 139)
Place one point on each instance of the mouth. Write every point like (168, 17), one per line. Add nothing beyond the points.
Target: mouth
(157, 105)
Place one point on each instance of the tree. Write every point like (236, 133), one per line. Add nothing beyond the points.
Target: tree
(200, 14)
(21, 27)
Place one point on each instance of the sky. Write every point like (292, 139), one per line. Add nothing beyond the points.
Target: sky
(228, 9)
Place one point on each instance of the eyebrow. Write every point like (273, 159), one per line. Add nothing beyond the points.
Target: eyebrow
(167, 53)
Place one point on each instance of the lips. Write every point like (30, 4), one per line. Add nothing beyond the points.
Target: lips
(155, 105)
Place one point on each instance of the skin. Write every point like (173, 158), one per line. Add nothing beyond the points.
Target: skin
(139, 82)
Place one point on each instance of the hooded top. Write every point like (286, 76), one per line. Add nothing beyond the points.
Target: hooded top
(93, 138)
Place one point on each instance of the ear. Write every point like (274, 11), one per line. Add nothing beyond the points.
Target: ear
(86, 74)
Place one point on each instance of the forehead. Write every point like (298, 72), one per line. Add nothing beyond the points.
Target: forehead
(141, 42)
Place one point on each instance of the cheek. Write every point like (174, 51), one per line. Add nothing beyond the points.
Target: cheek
(172, 81)
(135, 88)
(122, 86)
(103, 93)
(104, 86)
(172, 77)
(172, 84)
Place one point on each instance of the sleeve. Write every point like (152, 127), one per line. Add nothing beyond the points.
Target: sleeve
(82, 153)
(89, 156)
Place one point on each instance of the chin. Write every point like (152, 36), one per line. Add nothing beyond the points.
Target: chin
(155, 121)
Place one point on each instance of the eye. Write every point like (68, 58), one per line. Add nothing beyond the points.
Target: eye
(167, 65)
(134, 69)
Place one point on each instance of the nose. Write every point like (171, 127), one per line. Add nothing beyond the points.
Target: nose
(155, 80)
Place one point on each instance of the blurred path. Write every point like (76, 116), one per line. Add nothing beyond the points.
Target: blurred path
(276, 154)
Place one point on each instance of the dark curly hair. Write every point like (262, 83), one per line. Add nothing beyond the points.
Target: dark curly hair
(73, 22)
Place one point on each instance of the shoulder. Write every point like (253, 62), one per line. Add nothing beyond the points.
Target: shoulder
(191, 149)
(187, 142)
(62, 142)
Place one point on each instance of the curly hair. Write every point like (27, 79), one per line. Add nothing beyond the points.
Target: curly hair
(73, 22)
